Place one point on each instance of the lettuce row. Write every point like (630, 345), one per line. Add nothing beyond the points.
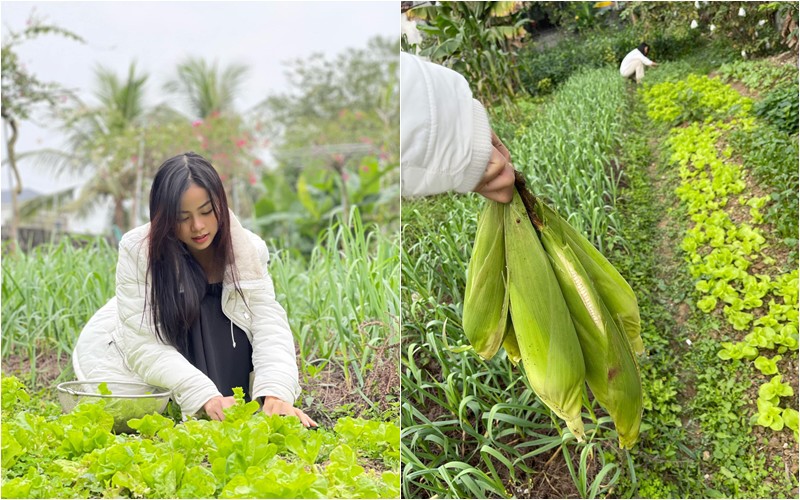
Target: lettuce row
(721, 254)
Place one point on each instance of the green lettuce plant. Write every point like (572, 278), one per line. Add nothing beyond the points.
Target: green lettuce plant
(767, 366)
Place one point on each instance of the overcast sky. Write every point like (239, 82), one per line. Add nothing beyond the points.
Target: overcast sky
(159, 35)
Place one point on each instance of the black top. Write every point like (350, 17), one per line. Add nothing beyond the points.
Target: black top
(225, 360)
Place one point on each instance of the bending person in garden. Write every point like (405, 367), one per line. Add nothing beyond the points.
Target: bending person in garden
(446, 142)
(195, 309)
(633, 63)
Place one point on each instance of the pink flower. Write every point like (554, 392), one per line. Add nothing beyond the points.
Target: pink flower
(257, 162)
(345, 176)
(253, 179)
(338, 158)
(364, 168)
(241, 143)
(197, 123)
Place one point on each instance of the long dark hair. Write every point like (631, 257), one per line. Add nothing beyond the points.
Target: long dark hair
(643, 48)
(178, 280)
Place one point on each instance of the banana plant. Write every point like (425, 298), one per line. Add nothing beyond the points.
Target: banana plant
(475, 39)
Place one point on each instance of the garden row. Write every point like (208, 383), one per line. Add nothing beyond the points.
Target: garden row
(726, 248)
(698, 434)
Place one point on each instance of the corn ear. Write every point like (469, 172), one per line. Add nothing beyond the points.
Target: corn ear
(613, 290)
(548, 344)
(485, 312)
(611, 369)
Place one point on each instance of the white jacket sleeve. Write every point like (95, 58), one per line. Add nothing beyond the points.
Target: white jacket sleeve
(645, 60)
(274, 358)
(156, 363)
(445, 136)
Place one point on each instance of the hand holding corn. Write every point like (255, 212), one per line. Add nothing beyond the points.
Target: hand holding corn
(497, 182)
(555, 303)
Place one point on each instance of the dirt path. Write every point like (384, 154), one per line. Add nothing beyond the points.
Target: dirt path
(50, 368)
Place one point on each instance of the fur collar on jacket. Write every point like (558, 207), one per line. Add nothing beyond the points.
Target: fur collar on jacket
(248, 264)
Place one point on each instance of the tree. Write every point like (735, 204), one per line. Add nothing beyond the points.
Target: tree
(205, 89)
(23, 94)
(335, 137)
(105, 141)
(745, 27)
(359, 82)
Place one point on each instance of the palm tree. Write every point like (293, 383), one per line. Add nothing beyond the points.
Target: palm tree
(122, 103)
(205, 88)
(105, 142)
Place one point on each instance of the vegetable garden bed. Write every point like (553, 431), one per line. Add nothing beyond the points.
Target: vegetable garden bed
(50, 455)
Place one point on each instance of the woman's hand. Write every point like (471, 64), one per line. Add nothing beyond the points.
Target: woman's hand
(273, 405)
(498, 180)
(215, 405)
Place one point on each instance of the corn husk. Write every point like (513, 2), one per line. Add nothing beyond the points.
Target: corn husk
(613, 290)
(611, 369)
(548, 345)
(485, 313)
(510, 344)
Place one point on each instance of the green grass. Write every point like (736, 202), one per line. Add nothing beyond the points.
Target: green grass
(470, 428)
(567, 152)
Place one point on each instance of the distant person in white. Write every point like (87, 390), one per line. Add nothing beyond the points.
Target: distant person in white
(635, 61)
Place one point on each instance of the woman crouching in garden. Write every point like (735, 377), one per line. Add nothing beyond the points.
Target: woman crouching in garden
(195, 309)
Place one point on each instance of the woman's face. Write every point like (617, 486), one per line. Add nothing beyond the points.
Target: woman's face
(197, 223)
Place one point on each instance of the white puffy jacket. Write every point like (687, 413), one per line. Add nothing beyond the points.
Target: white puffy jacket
(119, 342)
(445, 136)
(630, 62)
